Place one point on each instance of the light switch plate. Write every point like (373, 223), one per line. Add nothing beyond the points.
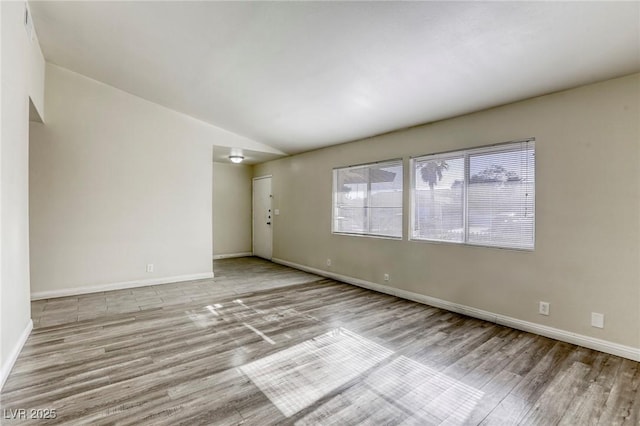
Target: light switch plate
(597, 320)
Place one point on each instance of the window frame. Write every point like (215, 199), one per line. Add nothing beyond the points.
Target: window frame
(510, 146)
(334, 198)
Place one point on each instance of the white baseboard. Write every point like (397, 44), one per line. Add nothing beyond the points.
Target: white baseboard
(543, 330)
(118, 286)
(5, 369)
(230, 255)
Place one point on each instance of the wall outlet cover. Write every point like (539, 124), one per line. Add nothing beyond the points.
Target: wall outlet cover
(543, 308)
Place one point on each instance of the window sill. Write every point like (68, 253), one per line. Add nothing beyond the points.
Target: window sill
(453, 243)
(382, 237)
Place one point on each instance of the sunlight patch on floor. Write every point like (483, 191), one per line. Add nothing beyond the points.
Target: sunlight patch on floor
(296, 377)
(401, 392)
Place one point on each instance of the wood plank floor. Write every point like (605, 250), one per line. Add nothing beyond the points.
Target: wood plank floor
(262, 344)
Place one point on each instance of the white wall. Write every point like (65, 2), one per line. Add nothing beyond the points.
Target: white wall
(232, 187)
(587, 256)
(22, 70)
(36, 66)
(117, 183)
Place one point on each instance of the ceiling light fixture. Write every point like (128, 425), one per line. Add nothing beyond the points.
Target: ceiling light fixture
(236, 158)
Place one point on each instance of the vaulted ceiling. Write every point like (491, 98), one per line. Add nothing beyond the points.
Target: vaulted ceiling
(302, 75)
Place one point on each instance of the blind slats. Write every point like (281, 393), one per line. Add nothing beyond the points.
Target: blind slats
(439, 199)
(368, 199)
(482, 197)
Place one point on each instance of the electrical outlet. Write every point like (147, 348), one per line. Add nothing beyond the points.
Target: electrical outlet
(386, 277)
(543, 309)
(328, 262)
(149, 267)
(597, 320)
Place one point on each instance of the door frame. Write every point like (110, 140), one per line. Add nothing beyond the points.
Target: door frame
(253, 233)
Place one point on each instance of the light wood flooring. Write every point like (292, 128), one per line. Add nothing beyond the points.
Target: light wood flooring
(262, 344)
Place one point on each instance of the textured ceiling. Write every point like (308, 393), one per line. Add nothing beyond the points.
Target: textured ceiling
(302, 75)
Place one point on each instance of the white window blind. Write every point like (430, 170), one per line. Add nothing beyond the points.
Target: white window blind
(367, 199)
(501, 197)
(484, 196)
(438, 198)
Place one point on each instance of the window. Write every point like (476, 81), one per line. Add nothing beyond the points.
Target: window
(484, 196)
(367, 199)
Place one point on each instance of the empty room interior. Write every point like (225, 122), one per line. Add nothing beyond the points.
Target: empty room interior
(320, 213)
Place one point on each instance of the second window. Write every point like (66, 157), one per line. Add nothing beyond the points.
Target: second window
(483, 196)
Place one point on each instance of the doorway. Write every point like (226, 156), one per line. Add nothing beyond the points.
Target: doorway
(262, 217)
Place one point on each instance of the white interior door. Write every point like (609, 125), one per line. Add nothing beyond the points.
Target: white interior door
(262, 217)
